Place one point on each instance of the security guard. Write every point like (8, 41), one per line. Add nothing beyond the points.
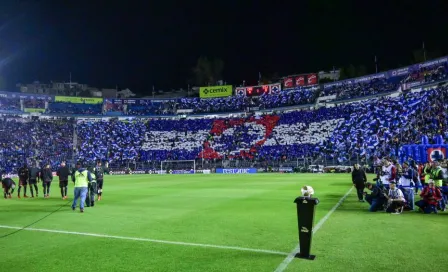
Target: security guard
(436, 174)
(90, 200)
(81, 177)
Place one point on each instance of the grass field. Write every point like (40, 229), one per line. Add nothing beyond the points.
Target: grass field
(214, 223)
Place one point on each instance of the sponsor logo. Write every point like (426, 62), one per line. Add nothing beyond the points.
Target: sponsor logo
(304, 229)
(300, 81)
(236, 171)
(79, 100)
(288, 82)
(215, 91)
(312, 79)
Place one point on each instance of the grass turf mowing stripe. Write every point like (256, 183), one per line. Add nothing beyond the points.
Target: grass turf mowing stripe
(150, 240)
(291, 255)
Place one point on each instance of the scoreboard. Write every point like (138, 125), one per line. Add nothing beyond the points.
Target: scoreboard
(258, 90)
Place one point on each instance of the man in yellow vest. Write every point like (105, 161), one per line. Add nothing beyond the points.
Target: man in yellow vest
(81, 177)
(436, 174)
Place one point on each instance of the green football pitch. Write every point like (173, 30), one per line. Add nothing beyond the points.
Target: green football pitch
(215, 223)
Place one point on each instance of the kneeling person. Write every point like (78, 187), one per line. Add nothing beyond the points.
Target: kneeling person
(396, 200)
(376, 198)
(8, 187)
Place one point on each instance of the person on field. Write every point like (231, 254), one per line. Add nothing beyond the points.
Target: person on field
(389, 173)
(99, 175)
(47, 178)
(430, 195)
(23, 180)
(407, 183)
(63, 173)
(81, 177)
(376, 198)
(92, 189)
(359, 178)
(35, 173)
(436, 174)
(8, 187)
(396, 200)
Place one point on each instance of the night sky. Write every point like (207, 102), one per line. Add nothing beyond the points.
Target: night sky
(137, 44)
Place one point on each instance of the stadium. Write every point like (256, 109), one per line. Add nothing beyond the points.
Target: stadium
(216, 189)
(211, 183)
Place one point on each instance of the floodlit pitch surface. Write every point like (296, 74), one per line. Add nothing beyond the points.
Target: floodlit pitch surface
(214, 223)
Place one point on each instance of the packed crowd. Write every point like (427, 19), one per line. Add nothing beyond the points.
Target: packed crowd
(34, 103)
(428, 74)
(74, 108)
(27, 140)
(355, 90)
(288, 98)
(378, 127)
(354, 131)
(361, 131)
(8, 104)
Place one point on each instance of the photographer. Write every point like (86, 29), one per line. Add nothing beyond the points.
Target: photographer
(376, 198)
(359, 178)
(430, 197)
(395, 199)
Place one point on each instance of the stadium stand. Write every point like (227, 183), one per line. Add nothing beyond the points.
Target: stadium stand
(34, 140)
(338, 131)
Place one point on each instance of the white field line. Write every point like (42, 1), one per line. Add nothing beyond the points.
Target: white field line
(291, 255)
(149, 240)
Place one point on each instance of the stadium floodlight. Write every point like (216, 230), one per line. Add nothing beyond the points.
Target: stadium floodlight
(178, 165)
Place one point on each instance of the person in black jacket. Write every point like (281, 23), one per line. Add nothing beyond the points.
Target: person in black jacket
(63, 173)
(23, 180)
(47, 178)
(359, 179)
(34, 179)
(99, 174)
(376, 198)
(7, 185)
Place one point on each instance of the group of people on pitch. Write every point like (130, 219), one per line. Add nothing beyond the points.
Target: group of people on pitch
(29, 176)
(395, 187)
(87, 182)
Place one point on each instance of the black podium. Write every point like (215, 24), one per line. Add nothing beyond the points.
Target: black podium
(305, 216)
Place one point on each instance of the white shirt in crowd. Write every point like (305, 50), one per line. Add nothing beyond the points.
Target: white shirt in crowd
(396, 194)
(387, 170)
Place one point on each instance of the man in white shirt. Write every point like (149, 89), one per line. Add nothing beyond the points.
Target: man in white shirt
(389, 173)
(396, 199)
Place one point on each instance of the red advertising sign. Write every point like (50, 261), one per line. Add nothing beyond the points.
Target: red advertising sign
(300, 81)
(288, 83)
(312, 79)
